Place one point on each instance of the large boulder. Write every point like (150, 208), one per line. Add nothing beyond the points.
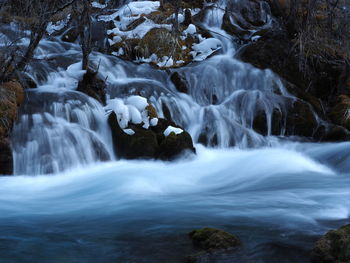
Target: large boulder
(137, 142)
(333, 247)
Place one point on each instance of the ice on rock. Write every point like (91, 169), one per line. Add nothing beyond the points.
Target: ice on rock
(171, 129)
(137, 101)
(135, 115)
(129, 131)
(204, 49)
(154, 122)
(191, 29)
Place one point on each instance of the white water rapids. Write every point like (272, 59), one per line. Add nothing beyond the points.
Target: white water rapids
(73, 201)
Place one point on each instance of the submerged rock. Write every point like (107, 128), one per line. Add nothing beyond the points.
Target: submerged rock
(211, 239)
(212, 242)
(334, 247)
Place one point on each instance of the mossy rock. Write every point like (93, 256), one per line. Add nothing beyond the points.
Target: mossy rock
(174, 144)
(334, 247)
(149, 143)
(142, 145)
(15, 87)
(340, 113)
(210, 239)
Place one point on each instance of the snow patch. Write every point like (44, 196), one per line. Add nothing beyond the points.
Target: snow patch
(171, 129)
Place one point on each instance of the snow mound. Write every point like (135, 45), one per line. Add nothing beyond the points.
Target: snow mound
(171, 129)
(133, 110)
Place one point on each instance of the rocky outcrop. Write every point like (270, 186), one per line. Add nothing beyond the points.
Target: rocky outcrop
(93, 86)
(137, 142)
(334, 247)
(312, 64)
(11, 96)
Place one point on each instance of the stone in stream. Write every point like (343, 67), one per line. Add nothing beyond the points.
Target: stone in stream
(137, 142)
(179, 81)
(93, 86)
(212, 242)
(333, 247)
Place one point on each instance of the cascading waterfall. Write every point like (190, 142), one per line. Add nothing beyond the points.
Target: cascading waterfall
(276, 195)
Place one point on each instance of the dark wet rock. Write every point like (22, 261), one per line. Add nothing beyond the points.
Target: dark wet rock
(71, 35)
(301, 120)
(188, 17)
(173, 145)
(333, 247)
(340, 112)
(260, 122)
(213, 244)
(232, 28)
(179, 81)
(332, 133)
(275, 51)
(212, 239)
(6, 160)
(149, 143)
(166, 111)
(93, 86)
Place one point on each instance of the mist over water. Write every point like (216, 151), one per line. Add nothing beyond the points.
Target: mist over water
(72, 200)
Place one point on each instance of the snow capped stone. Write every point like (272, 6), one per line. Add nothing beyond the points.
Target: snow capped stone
(154, 122)
(137, 101)
(171, 129)
(191, 29)
(129, 131)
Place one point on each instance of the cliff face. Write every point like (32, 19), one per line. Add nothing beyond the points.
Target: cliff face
(308, 46)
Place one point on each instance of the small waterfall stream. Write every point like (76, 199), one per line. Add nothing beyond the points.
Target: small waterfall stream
(275, 194)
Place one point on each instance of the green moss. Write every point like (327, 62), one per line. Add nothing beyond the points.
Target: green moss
(333, 247)
(211, 239)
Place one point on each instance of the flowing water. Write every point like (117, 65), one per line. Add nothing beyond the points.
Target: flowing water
(73, 201)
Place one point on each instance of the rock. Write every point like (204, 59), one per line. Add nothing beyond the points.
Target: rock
(71, 35)
(6, 159)
(210, 239)
(174, 144)
(179, 81)
(301, 120)
(15, 87)
(143, 144)
(93, 86)
(188, 18)
(260, 124)
(149, 143)
(340, 112)
(333, 133)
(334, 247)
(152, 112)
(233, 29)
